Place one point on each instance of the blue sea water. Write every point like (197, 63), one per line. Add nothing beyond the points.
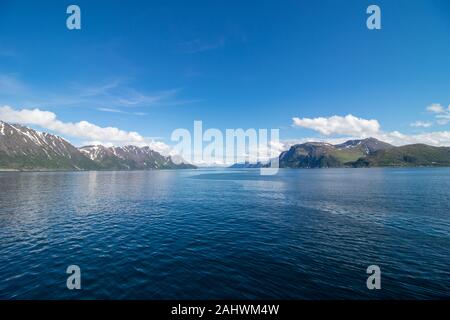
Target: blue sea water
(213, 234)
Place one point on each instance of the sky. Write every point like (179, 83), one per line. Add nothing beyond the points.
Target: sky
(138, 70)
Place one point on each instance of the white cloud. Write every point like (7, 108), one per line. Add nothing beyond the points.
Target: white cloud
(288, 143)
(443, 119)
(110, 110)
(436, 108)
(338, 129)
(442, 115)
(337, 125)
(436, 138)
(113, 110)
(421, 124)
(82, 129)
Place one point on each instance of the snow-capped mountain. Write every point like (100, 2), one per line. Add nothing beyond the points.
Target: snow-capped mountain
(368, 146)
(23, 148)
(129, 157)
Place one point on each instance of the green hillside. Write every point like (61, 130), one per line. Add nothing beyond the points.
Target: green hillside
(413, 155)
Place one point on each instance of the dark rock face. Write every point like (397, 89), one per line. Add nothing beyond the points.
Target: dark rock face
(309, 155)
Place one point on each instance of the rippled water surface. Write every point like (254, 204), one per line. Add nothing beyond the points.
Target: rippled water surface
(205, 234)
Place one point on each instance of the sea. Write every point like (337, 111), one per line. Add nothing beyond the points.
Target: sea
(226, 234)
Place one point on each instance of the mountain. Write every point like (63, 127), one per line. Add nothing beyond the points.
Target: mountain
(130, 158)
(22, 148)
(325, 155)
(247, 164)
(363, 153)
(366, 146)
(414, 155)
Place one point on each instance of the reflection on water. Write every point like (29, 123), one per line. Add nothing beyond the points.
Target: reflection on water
(226, 233)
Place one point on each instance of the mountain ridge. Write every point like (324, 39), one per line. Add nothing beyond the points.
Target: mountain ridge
(412, 155)
(130, 157)
(369, 152)
(23, 148)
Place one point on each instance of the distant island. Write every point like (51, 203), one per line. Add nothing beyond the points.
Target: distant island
(22, 148)
(368, 152)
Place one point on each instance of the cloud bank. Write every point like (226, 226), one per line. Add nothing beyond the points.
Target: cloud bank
(339, 128)
(92, 133)
(348, 125)
(421, 124)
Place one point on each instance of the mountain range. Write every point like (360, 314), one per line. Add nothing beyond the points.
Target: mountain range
(368, 152)
(22, 148)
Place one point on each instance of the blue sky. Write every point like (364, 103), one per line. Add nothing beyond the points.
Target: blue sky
(154, 66)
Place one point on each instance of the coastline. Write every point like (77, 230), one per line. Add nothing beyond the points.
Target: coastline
(2, 170)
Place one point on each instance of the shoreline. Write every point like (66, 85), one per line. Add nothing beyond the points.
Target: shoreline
(3, 170)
